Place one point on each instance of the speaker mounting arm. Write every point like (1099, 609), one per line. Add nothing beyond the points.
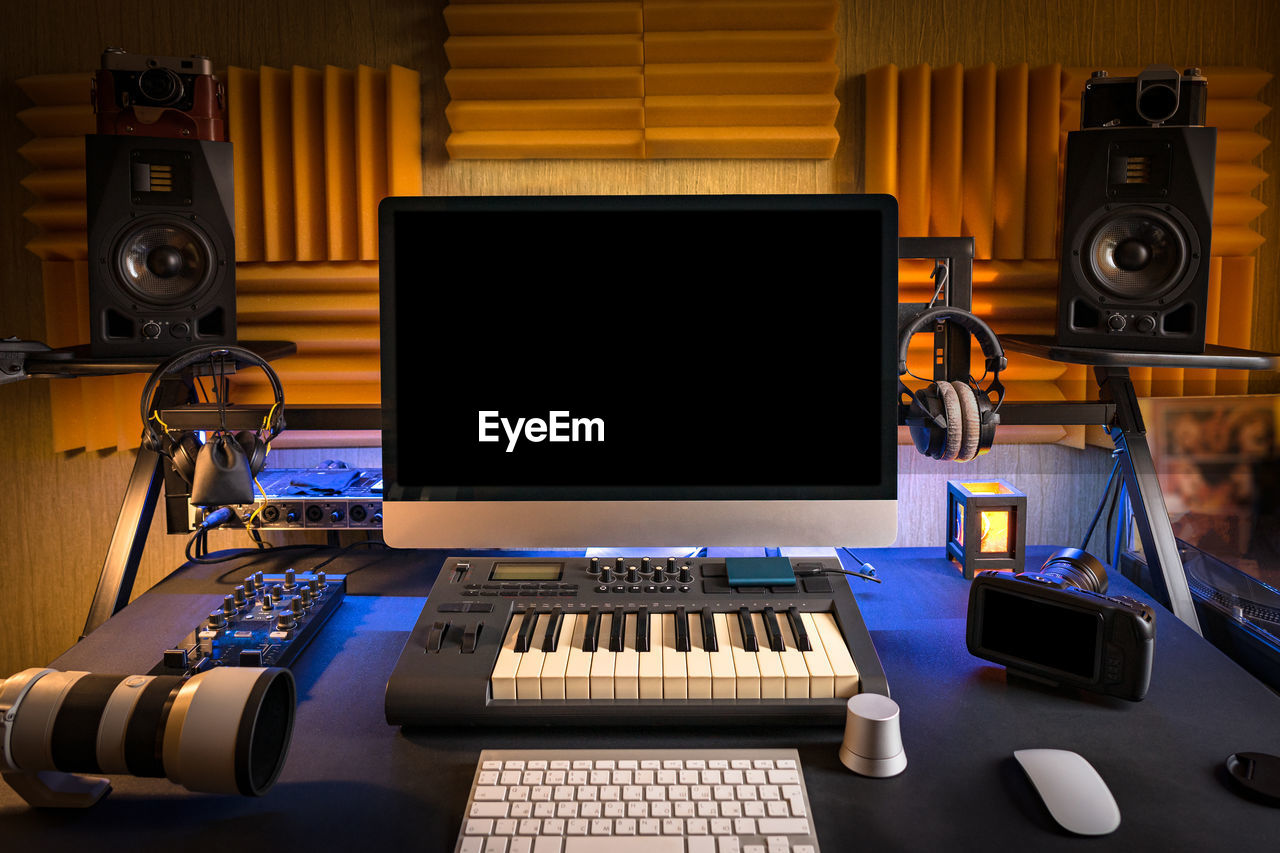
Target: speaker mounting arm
(954, 259)
(1117, 410)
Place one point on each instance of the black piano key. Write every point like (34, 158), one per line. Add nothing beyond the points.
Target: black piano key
(798, 631)
(642, 630)
(524, 639)
(551, 639)
(591, 640)
(682, 631)
(709, 642)
(748, 630)
(774, 630)
(615, 630)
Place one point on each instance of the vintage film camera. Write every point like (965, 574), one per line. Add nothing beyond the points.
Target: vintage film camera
(165, 96)
(1057, 625)
(1159, 96)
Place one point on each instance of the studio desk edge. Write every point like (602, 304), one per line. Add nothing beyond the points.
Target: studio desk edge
(352, 781)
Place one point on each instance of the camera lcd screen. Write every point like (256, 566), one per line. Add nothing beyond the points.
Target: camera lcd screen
(1046, 634)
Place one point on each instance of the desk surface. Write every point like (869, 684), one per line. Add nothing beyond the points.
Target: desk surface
(351, 781)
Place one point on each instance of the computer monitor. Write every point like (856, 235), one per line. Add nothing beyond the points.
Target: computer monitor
(578, 371)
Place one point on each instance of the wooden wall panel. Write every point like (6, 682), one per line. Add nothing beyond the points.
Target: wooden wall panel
(51, 573)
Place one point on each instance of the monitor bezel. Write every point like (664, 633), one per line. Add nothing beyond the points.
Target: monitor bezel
(848, 382)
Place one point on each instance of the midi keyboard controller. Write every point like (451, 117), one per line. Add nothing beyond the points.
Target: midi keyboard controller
(631, 641)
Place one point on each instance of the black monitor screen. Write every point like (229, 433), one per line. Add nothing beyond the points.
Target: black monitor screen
(640, 347)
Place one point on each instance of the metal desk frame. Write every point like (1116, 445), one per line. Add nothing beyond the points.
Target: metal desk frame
(1116, 408)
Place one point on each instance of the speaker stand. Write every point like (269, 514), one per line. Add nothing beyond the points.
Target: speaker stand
(30, 360)
(1117, 410)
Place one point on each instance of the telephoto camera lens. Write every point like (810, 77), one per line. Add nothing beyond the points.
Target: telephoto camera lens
(222, 731)
(1071, 567)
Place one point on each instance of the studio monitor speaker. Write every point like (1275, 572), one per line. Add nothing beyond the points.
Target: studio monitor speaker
(1137, 208)
(161, 244)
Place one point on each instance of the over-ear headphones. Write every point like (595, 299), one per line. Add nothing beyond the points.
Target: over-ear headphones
(184, 448)
(953, 420)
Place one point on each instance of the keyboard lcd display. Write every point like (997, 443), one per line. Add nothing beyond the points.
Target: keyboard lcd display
(526, 571)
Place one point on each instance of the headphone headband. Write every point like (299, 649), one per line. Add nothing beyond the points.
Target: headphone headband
(972, 323)
(188, 357)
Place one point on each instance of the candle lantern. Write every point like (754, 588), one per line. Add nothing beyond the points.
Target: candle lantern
(986, 526)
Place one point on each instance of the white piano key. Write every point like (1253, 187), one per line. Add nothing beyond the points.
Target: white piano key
(651, 661)
(602, 661)
(697, 661)
(556, 662)
(577, 671)
(723, 675)
(794, 668)
(626, 665)
(822, 681)
(674, 673)
(846, 674)
(502, 681)
(744, 662)
(529, 670)
(773, 683)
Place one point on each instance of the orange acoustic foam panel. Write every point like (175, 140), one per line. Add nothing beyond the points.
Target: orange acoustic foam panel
(642, 80)
(315, 151)
(978, 152)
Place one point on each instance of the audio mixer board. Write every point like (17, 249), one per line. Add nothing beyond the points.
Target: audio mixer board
(267, 621)
(574, 641)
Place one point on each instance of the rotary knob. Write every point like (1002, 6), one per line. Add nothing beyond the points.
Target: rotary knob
(593, 567)
(633, 575)
(290, 579)
(645, 568)
(285, 622)
(606, 575)
(1146, 324)
(686, 576)
(1116, 322)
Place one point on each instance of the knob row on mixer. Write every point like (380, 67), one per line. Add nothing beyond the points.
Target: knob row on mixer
(632, 572)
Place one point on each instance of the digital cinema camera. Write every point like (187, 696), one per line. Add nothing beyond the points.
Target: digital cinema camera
(1057, 625)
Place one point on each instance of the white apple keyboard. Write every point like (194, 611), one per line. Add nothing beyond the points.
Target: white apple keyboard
(634, 800)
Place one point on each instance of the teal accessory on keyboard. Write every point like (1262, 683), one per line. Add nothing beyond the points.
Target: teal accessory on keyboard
(759, 571)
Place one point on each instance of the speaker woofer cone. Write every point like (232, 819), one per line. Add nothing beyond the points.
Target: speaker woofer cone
(163, 261)
(1137, 253)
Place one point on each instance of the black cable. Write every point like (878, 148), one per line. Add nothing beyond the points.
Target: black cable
(869, 574)
(347, 548)
(1111, 516)
(1084, 546)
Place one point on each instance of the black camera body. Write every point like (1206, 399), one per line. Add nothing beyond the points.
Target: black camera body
(1158, 97)
(174, 97)
(1058, 625)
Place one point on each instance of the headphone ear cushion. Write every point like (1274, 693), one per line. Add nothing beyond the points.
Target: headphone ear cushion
(255, 450)
(954, 432)
(926, 436)
(184, 453)
(970, 423)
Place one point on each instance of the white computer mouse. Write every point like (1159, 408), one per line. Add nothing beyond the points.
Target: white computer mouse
(1071, 789)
